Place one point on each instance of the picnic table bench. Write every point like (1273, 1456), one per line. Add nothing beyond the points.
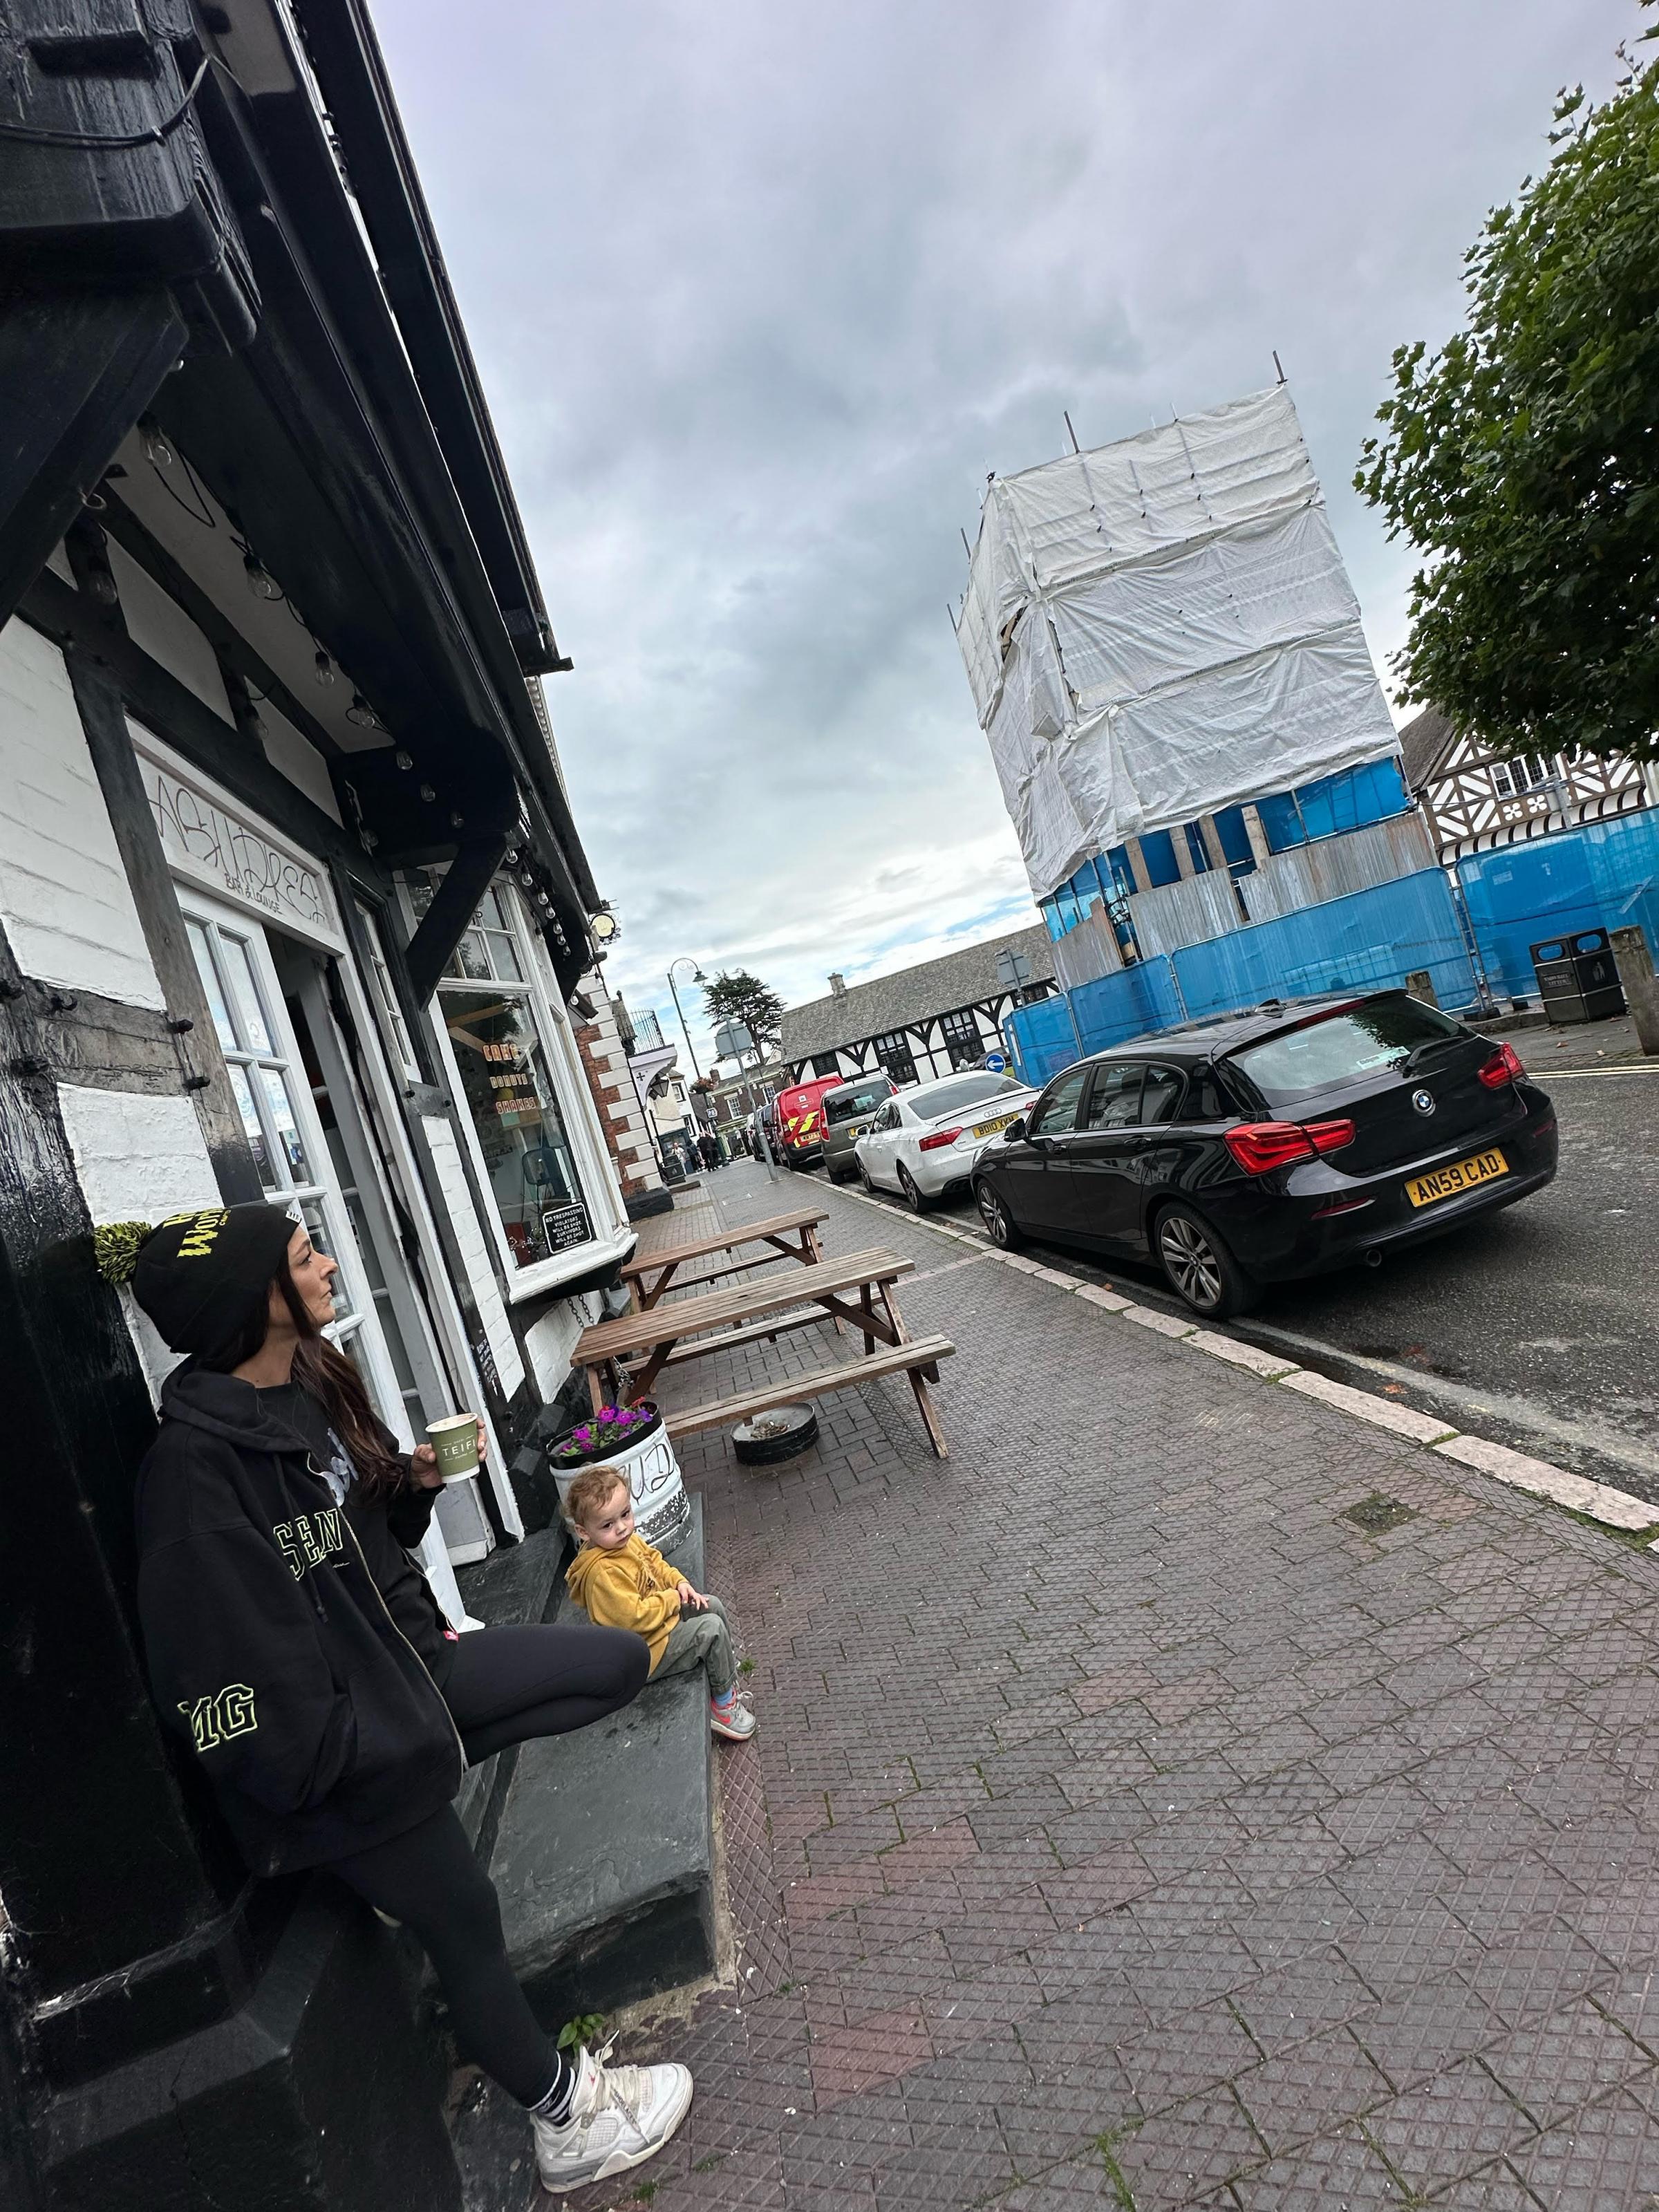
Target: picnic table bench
(625, 1356)
(794, 1235)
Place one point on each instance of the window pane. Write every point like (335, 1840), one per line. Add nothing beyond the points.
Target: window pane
(509, 1094)
(246, 992)
(1057, 1112)
(229, 1039)
(504, 954)
(280, 1108)
(1115, 1101)
(1160, 1094)
(243, 1093)
(471, 958)
(1341, 1047)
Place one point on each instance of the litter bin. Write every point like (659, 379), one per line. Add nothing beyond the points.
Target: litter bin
(1577, 977)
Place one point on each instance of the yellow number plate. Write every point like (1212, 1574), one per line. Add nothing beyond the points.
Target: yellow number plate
(990, 1128)
(1462, 1175)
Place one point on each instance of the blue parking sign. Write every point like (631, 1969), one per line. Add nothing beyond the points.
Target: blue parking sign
(995, 1062)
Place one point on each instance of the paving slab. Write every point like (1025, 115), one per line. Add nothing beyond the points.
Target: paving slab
(1129, 1824)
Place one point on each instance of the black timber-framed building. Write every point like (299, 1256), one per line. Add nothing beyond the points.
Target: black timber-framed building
(921, 1022)
(292, 907)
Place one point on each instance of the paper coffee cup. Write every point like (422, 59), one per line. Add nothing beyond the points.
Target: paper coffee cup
(455, 1440)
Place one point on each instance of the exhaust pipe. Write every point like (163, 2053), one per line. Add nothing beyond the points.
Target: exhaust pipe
(1373, 1256)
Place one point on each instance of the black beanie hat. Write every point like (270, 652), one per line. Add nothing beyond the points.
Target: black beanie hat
(201, 1277)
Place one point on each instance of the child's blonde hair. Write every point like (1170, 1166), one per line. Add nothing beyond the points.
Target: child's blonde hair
(590, 1490)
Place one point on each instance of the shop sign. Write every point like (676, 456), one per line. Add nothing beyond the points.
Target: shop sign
(210, 840)
(566, 1226)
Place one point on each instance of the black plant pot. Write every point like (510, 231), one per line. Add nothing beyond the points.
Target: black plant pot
(598, 1451)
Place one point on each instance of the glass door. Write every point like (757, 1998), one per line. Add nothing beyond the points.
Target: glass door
(274, 1095)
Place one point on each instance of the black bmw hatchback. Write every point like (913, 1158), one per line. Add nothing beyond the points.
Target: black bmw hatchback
(1261, 1146)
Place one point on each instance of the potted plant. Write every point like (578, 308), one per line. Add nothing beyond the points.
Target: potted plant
(634, 1441)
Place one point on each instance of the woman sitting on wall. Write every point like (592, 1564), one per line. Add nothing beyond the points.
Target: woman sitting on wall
(296, 1649)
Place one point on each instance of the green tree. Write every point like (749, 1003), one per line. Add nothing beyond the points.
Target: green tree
(1522, 458)
(735, 996)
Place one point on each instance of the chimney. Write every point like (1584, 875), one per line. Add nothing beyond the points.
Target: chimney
(837, 985)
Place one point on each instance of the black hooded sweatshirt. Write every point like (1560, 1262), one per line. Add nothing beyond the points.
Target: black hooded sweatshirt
(272, 1649)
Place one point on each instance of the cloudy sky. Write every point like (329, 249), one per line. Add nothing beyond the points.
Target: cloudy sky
(761, 292)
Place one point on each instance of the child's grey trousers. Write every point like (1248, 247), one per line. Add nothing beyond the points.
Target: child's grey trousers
(700, 1639)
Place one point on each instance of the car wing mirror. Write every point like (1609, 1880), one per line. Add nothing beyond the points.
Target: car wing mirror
(1015, 1131)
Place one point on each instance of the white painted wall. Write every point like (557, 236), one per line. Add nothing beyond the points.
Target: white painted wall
(137, 1158)
(474, 1255)
(553, 1339)
(295, 756)
(65, 898)
(163, 629)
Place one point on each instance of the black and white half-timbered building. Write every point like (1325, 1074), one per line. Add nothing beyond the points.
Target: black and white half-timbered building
(1477, 800)
(292, 908)
(920, 1022)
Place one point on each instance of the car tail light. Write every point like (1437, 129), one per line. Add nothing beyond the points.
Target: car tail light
(939, 1137)
(1260, 1146)
(1505, 1065)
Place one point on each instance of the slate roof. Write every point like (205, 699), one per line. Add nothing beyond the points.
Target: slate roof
(1424, 744)
(911, 995)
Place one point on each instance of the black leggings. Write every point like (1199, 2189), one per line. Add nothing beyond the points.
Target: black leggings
(504, 1684)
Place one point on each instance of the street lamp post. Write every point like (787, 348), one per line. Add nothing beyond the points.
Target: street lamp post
(686, 961)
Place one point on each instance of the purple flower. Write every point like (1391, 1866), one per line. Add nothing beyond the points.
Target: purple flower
(608, 1413)
(584, 1435)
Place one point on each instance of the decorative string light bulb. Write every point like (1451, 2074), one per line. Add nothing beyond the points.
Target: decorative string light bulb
(157, 452)
(427, 794)
(260, 581)
(458, 821)
(325, 667)
(403, 759)
(360, 715)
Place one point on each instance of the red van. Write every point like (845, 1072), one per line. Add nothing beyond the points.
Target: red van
(800, 1120)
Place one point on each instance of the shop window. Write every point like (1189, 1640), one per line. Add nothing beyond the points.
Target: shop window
(826, 1063)
(959, 1034)
(893, 1051)
(505, 1061)
(394, 1029)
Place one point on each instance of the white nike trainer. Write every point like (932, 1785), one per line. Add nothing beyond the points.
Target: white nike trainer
(620, 2116)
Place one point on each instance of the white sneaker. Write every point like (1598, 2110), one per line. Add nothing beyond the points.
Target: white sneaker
(620, 2116)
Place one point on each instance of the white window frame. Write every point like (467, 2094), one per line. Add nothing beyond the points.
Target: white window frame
(360, 1328)
(613, 1236)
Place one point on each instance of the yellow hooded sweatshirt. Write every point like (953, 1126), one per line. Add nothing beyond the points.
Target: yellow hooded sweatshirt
(634, 1588)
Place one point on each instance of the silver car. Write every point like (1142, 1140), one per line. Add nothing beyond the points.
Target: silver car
(848, 1113)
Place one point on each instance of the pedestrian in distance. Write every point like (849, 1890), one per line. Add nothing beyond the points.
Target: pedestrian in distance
(298, 1651)
(709, 1145)
(619, 1578)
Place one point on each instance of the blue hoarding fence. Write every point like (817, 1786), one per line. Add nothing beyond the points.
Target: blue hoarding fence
(1370, 941)
(1604, 875)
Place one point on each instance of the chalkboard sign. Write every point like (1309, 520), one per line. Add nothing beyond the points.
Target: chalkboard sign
(564, 1226)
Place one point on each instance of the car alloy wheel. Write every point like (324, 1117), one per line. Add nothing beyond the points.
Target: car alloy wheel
(1201, 1269)
(864, 1177)
(1190, 1261)
(999, 1221)
(913, 1197)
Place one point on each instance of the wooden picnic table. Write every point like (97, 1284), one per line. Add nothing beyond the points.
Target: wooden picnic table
(791, 1237)
(720, 1320)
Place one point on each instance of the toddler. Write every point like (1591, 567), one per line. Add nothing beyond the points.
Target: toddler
(623, 1582)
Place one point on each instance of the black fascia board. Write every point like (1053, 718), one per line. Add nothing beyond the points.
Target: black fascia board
(351, 71)
(355, 495)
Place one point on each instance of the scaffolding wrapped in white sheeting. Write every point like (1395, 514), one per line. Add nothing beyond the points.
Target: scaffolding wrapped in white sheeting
(1161, 628)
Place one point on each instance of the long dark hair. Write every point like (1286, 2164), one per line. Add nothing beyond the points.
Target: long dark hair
(329, 1378)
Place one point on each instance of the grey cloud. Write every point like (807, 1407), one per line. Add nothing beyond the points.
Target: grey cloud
(761, 292)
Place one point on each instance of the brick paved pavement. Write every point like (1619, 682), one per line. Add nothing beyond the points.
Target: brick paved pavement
(1126, 1827)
